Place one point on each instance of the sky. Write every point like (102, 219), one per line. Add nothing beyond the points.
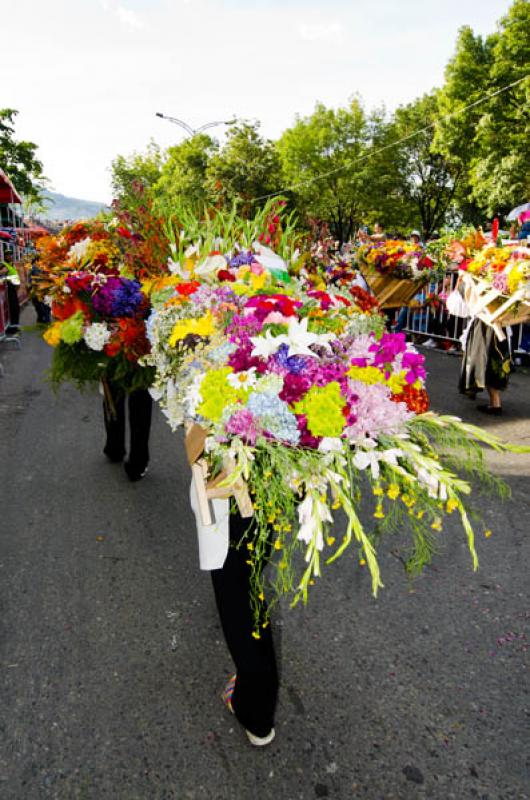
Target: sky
(88, 76)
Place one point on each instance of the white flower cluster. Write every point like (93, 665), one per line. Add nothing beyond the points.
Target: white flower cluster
(96, 335)
(78, 250)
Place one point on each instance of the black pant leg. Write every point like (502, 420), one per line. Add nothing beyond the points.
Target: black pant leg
(140, 412)
(115, 424)
(13, 303)
(256, 691)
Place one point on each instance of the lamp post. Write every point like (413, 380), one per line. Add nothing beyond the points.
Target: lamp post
(194, 131)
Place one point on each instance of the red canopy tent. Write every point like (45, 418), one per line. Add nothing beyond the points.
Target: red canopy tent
(8, 193)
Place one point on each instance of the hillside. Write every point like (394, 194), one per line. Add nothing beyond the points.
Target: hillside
(60, 208)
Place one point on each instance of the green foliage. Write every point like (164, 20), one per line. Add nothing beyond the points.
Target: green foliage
(127, 172)
(490, 141)
(427, 179)
(182, 177)
(83, 367)
(247, 167)
(321, 157)
(19, 160)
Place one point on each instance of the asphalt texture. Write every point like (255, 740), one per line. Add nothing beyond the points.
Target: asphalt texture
(113, 660)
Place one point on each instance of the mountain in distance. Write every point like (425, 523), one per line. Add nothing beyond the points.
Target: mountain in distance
(61, 208)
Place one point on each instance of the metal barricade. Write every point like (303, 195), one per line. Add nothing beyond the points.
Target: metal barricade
(425, 321)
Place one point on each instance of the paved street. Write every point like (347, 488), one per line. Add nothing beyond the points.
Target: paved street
(113, 660)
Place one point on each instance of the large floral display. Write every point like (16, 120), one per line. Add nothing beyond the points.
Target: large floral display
(395, 270)
(314, 406)
(497, 283)
(98, 276)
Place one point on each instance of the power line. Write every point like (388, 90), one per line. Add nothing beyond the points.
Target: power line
(391, 144)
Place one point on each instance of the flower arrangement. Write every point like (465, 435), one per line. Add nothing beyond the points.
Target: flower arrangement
(507, 269)
(312, 403)
(397, 259)
(497, 281)
(98, 276)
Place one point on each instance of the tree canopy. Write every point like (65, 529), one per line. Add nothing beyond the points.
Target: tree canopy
(19, 159)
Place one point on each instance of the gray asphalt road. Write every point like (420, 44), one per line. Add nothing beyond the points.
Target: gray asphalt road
(113, 661)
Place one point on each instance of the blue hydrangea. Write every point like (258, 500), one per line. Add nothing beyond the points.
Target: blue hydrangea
(274, 416)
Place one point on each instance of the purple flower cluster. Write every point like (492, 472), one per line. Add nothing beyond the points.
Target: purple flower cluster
(241, 259)
(118, 297)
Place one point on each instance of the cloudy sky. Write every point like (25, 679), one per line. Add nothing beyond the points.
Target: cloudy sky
(87, 76)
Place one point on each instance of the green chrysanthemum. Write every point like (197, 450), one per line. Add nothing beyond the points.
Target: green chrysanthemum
(72, 328)
(217, 394)
(323, 407)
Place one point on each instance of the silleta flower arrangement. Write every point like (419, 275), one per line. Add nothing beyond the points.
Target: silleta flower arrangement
(507, 269)
(313, 404)
(397, 259)
(497, 285)
(97, 276)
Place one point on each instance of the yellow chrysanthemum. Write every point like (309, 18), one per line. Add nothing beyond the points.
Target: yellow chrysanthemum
(396, 382)
(369, 375)
(203, 326)
(53, 335)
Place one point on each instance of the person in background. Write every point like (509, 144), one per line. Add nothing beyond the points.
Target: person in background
(524, 232)
(379, 234)
(414, 238)
(9, 274)
(42, 310)
(140, 404)
(486, 365)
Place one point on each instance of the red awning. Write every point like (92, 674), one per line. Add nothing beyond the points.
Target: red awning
(8, 193)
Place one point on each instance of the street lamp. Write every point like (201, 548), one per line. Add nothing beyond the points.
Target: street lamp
(193, 131)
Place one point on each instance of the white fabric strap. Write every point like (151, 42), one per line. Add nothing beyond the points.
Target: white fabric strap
(213, 539)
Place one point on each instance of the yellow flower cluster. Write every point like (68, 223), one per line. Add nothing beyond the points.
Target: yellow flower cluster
(203, 326)
(371, 375)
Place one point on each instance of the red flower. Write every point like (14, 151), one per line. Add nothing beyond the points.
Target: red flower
(185, 289)
(112, 348)
(63, 310)
(225, 275)
(417, 400)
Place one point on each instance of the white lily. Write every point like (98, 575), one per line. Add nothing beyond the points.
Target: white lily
(330, 444)
(299, 339)
(265, 346)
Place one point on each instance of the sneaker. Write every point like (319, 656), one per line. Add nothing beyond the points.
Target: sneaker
(256, 741)
(261, 741)
(134, 473)
(429, 343)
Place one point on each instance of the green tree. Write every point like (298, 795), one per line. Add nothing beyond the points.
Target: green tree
(322, 160)
(245, 168)
(427, 179)
(139, 168)
(183, 174)
(490, 140)
(500, 174)
(466, 81)
(18, 159)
